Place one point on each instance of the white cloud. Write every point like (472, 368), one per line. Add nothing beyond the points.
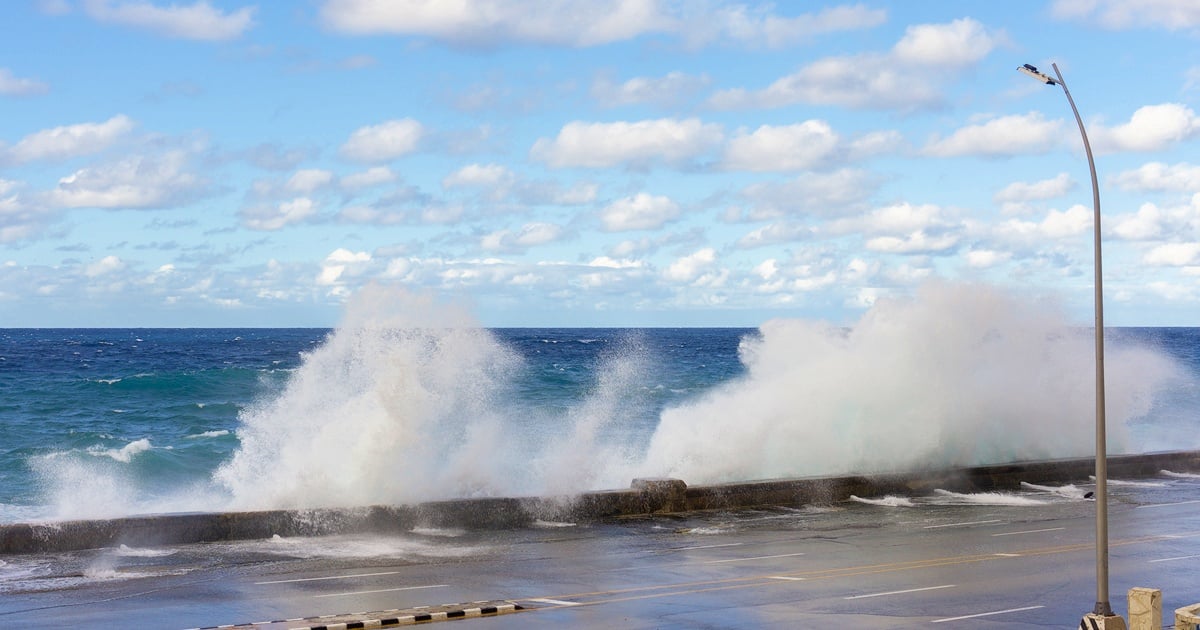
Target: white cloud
(666, 91)
(69, 141)
(602, 145)
(1004, 136)
(385, 141)
(1182, 177)
(786, 148)
(12, 85)
(642, 211)
(1151, 128)
(1145, 224)
(985, 258)
(306, 181)
(337, 263)
(775, 234)
(270, 218)
(875, 143)
(1174, 255)
(530, 235)
(1056, 225)
(896, 219)
(691, 267)
(1120, 14)
(918, 242)
(491, 22)
(962, 42)
(909, 76)
(374, 176)
(1018, 192)
(104, 266)
(827, 194)
(198, 21)
(156, 181)
(757, 27)
(487, 175)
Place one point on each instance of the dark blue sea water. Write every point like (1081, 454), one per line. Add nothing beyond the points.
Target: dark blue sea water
(103, 422)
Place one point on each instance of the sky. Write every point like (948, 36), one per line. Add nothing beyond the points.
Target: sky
(590, 162)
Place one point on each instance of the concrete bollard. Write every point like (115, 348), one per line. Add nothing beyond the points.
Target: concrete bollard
(1145, 608)
(1188, 617)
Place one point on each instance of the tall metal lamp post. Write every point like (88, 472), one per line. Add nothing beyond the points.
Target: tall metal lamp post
(1102, 615)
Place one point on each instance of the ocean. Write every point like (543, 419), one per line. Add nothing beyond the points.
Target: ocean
(108, 422)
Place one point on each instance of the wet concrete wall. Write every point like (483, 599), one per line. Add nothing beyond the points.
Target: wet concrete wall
(644, 497)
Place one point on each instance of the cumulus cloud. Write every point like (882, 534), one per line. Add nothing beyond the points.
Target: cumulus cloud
(757, 27)
(385, 141)
(666, 91)
(907, 77)
(12, 85)
(642, 211)
(775, 234)
(986, 258)
(337, 263)
(492, 22)
(833, 194)
(1173, 255)
(197, 21)
(151, 181)
(69, 141)
(530, 235)
(275, 217)
(309, 180)
(786, 148)
(1145, 224)
(104, 266)
(1003, 136)
(1158, 176)
(919, 242)
(1018, 192)
(693, 267)
(486, 175)
(374, 176)
(1057, 224)
(1121, 15)
(1151, 128)
(637, 144)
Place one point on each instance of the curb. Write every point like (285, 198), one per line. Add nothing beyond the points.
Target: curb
(389, 618)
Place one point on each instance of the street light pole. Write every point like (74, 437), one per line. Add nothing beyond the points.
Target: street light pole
(1102, 609)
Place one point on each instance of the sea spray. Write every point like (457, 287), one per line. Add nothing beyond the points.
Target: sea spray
(398, 404)
(410, 400)
(956, 375)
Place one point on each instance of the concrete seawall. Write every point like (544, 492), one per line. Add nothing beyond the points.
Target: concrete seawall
(644, 497)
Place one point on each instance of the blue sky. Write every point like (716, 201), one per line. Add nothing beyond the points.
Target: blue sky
(584, 163)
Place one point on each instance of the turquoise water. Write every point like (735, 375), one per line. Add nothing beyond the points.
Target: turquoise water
(103, 422)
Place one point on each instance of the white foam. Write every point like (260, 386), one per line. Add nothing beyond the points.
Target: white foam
(1179, 475)
(551, 524)
(439, 532)
(133, 552)
(887, 501)
(125, 454)
(1134, 484)
(208, 434)
(1069, 491)
(984, 498)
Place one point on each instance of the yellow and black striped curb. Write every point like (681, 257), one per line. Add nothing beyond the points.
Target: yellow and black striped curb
(386, 618)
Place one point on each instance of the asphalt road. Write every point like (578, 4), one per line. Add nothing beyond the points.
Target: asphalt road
(940, 561)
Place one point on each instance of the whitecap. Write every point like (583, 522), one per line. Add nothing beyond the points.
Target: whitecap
(1069, 491)
(1179, 475)
(208, 434)
(985, 498)
(551, 524)
(124, 454)
(887, 501)
(133, 552)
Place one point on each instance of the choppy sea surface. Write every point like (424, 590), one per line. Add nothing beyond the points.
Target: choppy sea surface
(106, 422)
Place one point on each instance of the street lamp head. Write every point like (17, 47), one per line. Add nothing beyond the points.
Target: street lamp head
(1040, 76)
